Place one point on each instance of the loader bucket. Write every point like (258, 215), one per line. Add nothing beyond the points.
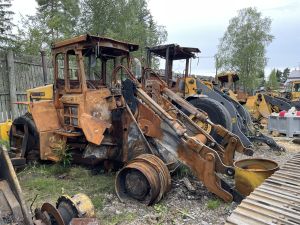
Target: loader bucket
(250, 173)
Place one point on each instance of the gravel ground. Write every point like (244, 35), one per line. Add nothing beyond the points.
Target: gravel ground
(181, 206)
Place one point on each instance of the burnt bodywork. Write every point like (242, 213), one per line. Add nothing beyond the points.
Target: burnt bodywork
(191, 88)
(102, 114)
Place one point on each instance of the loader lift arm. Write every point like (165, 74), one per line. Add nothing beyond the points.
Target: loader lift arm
(204, 161)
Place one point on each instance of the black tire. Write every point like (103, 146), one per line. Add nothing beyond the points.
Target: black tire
(33, 141)
(216, 112)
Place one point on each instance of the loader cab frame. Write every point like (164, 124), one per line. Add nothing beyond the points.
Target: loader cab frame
(83, 63)
(171, 53)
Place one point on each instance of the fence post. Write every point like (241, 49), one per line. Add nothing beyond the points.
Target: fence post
(44, 65)
(12, 84)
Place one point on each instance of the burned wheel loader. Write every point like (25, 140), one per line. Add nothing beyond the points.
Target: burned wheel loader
(220, 107)
(102, 118)
(261, 105)
(13, 209)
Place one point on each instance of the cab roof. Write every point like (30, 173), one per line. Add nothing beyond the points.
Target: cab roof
(223, 77)
(176, 52)
(113, 46)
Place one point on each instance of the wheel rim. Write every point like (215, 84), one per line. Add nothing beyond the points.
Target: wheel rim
(205, 126)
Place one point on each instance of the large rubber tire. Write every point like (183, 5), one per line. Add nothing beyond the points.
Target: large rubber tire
(216, 112)
(33, 141)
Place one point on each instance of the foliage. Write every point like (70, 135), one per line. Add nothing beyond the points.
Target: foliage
(278, 75)
(282, 76)
(243, 46)
(273, 82)
(127, 20)
(160, 208)
(6, 36)
(213, 203)
(4, 143)
(285, 75)
(63, 153)
(55, 19)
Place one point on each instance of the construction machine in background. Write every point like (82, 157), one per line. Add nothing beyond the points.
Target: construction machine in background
(102, 115)
(228, 84)
(221, 105)
(13, 209)
(291, 93)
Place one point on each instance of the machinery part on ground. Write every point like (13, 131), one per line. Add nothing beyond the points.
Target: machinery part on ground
(67, 208)
(275, 201)
(250, 173)
(146, 179)
(4, 130)
(13, 209)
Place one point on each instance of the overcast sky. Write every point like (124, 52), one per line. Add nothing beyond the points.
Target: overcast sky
(201, 23)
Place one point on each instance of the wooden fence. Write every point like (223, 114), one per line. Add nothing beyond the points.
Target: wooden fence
(17, 74)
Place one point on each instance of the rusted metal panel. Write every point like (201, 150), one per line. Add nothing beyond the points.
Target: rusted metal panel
(45, 116)
(149, 122)
(93, 128)
(276, 201)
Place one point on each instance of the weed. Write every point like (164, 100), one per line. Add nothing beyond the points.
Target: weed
(62, 151)
(213, 204)
(183, 171)
(5, 143)
(160, 208)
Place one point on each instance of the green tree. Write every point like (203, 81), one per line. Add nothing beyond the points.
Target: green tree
(273, 82)
(278, 75)
(55, 19)
(285, 74)
(59, 17)
(128, 20)
(243, 46)
(6, 25)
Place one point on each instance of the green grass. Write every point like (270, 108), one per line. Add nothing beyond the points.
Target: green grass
(213, 204)
(116, 219)
(51, 181)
